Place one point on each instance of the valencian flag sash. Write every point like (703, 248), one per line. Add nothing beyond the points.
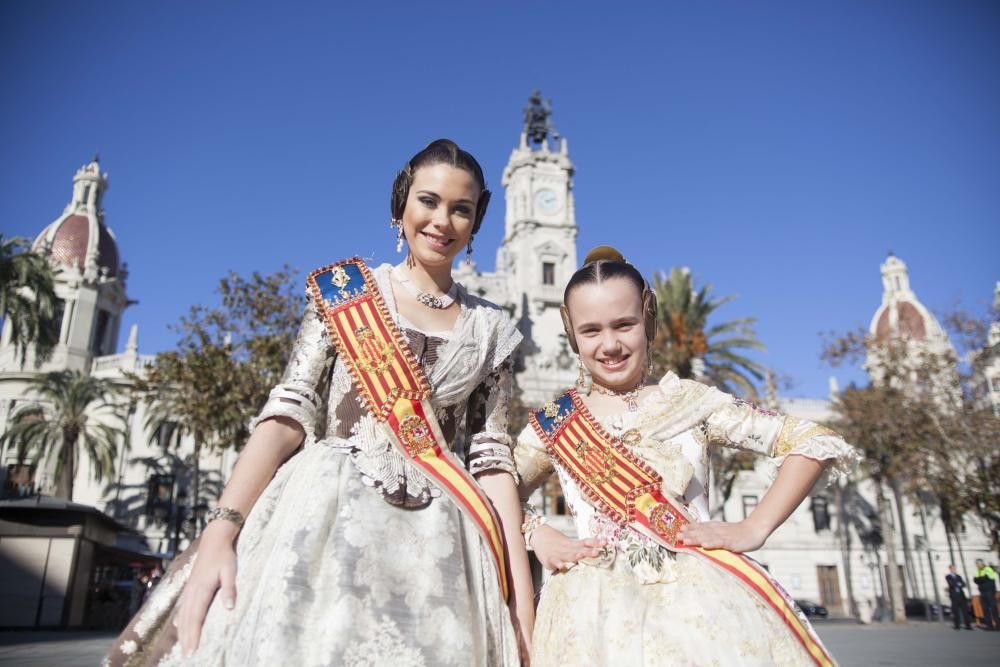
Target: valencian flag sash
(395, 389)
(626, 489)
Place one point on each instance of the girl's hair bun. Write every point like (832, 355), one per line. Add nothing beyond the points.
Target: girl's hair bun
(604, 252)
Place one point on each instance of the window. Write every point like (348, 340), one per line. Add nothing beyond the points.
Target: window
(749, 504)
(821, 513)
(159, 496)
(165, 433)
(100, 343)
(20, 480)
(548, 273)
(57, 319)
(553, 501)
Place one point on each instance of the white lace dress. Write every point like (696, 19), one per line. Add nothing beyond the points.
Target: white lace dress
(350, 556)
(640, 604)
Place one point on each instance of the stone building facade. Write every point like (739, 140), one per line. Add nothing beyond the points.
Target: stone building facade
(538, 253)
(62, 560)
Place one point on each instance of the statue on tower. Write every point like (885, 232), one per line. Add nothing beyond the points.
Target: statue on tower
(538, 119)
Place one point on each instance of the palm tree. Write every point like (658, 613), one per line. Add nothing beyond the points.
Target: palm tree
(684, 339)
(27, 298)
(63, 420)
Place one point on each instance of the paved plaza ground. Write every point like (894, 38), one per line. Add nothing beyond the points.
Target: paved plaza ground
(912, 645)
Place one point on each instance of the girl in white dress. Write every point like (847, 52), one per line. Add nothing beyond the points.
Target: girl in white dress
(349, 555)
(631, 600)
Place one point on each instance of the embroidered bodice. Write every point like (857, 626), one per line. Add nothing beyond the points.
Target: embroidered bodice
(470, 372)
(678, 423)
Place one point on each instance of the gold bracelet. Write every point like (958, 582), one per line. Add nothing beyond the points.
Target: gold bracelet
(227, 514)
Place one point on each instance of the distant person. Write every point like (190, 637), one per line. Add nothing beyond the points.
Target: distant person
(959, 601)
(137, 593)
(369, 482)
(986, 580)
(151, 581)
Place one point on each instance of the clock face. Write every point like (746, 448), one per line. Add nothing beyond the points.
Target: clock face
(547, 202)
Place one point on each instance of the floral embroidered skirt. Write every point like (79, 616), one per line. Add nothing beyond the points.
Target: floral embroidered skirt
(606, 616)
(328, 573)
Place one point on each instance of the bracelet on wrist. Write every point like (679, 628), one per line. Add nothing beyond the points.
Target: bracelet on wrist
(226, 514)
(532, 522)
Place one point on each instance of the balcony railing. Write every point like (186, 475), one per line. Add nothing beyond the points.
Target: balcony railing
(125, 362)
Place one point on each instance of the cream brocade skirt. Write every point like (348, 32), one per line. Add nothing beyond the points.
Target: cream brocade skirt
(591, 616)
(329, 574)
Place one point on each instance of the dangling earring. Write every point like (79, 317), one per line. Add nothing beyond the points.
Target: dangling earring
(584, 381)
(468, 252)
(398, 226)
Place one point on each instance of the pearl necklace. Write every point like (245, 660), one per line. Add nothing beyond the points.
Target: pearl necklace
(426, 298)
(630, 397)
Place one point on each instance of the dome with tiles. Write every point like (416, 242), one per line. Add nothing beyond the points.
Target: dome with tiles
(79, 236)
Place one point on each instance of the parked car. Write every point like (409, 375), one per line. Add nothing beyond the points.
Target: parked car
(917, 608)
(811, 609)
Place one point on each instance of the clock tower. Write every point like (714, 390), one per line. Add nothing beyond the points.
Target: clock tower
(539, 249)
(537, 256)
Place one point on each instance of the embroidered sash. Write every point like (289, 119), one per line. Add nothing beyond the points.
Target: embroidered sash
(625, 488)
(395, 390)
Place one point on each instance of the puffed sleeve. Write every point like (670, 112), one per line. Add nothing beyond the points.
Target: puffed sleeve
(532, 460)
(298, 396)
(742, 425)
(489, 448)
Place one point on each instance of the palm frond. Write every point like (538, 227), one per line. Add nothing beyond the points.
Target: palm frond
(684, 334)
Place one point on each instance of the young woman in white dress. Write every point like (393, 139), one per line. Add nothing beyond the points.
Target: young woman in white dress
(349, 555)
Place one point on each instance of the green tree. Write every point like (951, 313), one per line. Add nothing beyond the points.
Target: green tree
(66, 418)
(227, 360)
(869, 419)
(684, 335)
(916, 429)
(27, 298)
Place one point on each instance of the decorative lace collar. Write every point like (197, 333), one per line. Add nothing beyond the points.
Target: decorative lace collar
(481, 339)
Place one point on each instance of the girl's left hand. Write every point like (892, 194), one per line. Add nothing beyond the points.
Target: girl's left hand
(739, 537)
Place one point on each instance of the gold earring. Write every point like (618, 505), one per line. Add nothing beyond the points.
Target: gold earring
(584, 381)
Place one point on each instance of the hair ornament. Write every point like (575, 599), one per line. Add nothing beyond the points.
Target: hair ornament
(606, 253)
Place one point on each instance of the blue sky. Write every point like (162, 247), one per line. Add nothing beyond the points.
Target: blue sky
(779, 149)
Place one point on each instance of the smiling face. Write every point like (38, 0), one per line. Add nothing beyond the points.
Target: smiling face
(440, 213)
(608, 323)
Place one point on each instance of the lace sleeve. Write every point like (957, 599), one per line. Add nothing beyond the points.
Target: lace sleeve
(533, 463)
(489, 448)
(742, 425)
(298, 396)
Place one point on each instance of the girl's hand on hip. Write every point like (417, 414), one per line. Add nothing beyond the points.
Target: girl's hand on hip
(557, 551)
(739, 537)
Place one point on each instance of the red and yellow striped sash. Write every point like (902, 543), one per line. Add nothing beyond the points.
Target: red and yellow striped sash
(626, 489)
(395, 390)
